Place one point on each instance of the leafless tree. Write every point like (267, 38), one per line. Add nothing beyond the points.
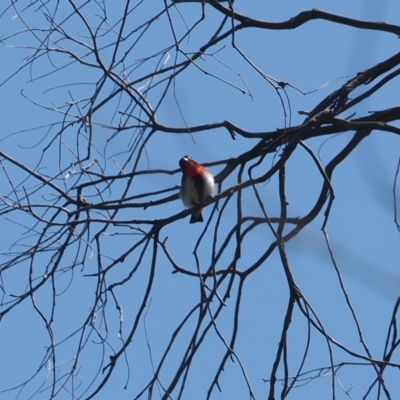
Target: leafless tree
(105, 287)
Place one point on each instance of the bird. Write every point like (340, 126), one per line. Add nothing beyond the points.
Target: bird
(198, 1)
(197, 186)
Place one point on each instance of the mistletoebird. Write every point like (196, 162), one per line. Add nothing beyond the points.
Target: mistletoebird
(197, 186)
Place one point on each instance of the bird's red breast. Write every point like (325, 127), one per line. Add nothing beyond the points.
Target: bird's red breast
(192, 168)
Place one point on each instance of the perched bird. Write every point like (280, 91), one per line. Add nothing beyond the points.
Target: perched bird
(197, 186)
(198, 1)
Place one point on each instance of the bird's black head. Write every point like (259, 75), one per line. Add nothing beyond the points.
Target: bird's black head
(182, 162)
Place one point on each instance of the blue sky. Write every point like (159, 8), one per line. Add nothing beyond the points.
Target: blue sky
(316, 58)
